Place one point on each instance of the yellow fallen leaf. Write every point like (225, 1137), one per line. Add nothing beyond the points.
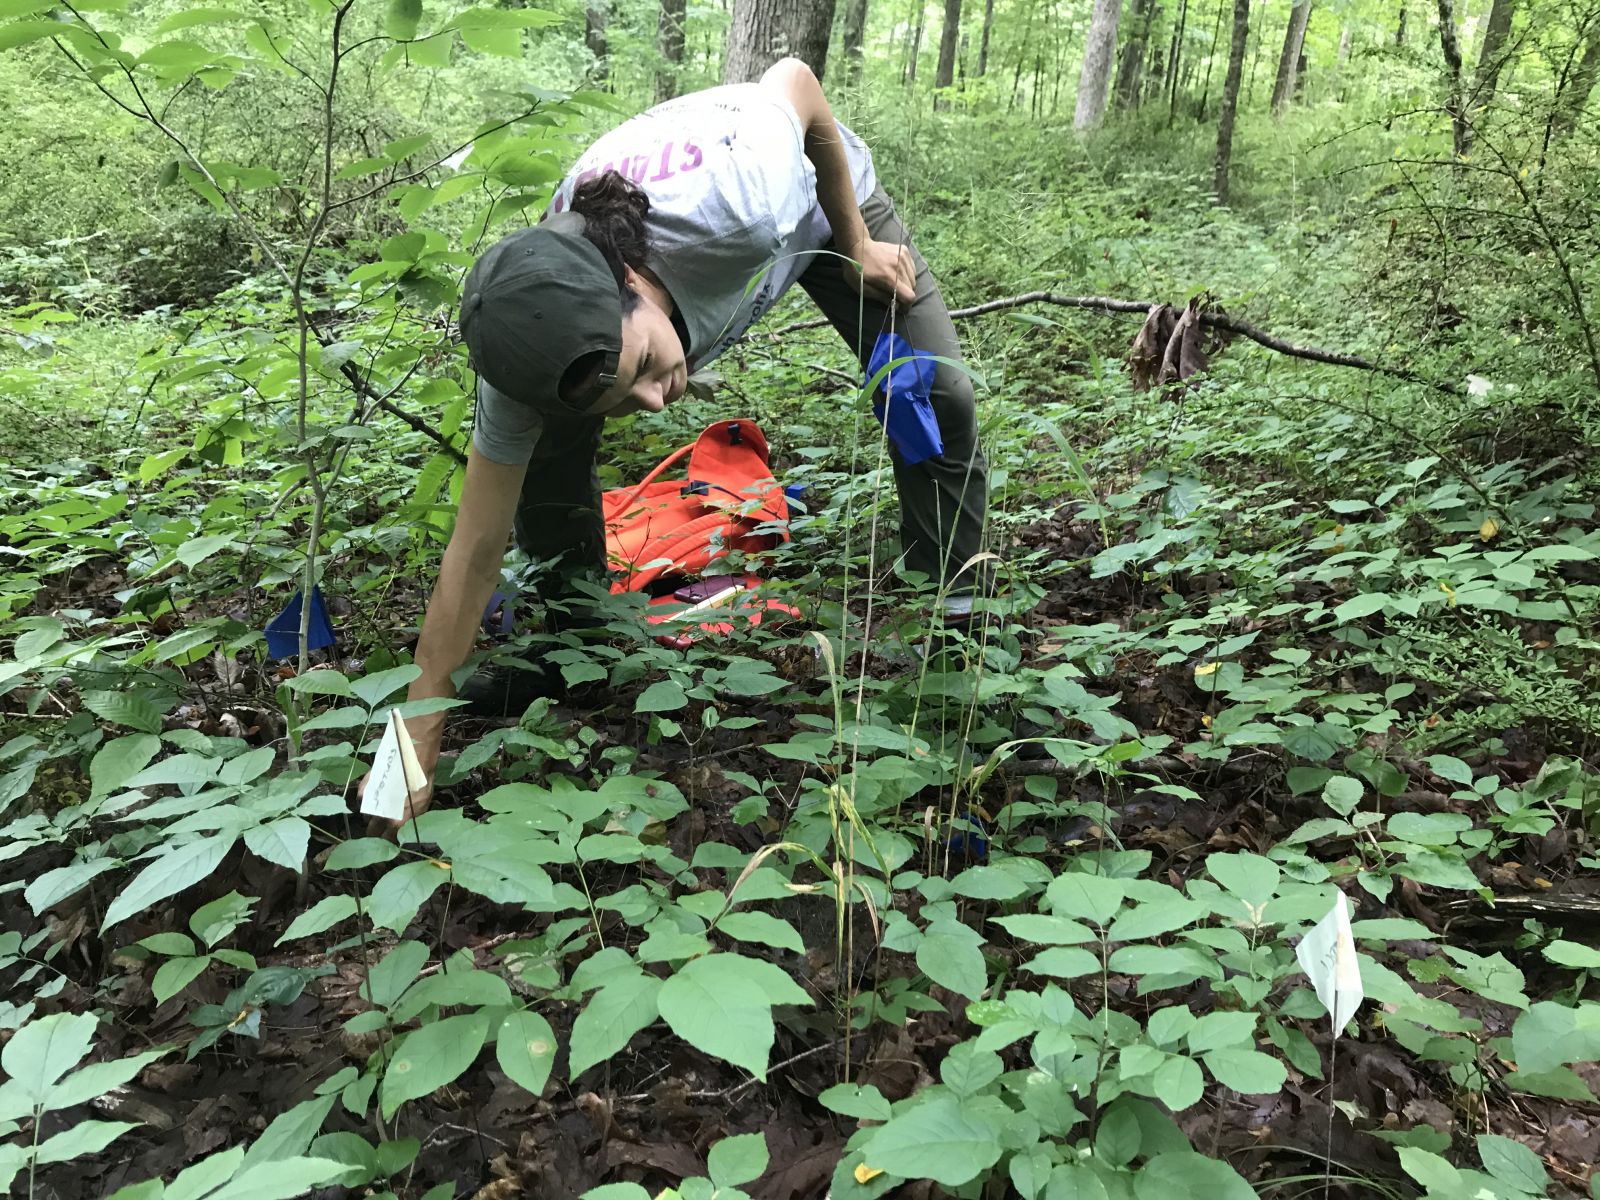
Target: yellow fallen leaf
(1208, 669)
(1205, 719)
(1448, 591)
(865, 1174)
(1488, 529)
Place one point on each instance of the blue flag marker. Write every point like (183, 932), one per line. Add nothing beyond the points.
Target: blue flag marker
(908, 413)
(283, 631)
(500, 613)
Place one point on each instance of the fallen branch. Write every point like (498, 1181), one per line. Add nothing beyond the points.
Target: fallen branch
(1211, 320)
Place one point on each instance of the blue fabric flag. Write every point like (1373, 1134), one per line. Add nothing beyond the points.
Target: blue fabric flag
(283, 631)
(913, 427)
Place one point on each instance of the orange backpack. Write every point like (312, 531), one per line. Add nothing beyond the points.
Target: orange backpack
(663, 534)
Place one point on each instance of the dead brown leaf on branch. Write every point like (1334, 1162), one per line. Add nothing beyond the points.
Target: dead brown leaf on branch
(1171, 347)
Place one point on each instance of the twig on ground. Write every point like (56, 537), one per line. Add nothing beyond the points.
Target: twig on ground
(1211, 320)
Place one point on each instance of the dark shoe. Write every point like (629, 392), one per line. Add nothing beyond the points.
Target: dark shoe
(506, 689)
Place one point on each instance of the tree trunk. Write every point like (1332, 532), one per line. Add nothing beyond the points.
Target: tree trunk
(949, 39)
(1460, 133)
(669, 40)
(1575, 96)
(1173, 60)
(1400, 26)
(594, 36)
(855, 31)
(1095, 79)
(916, 43)
(1155, 67)
(1130, 63)
(983, 46)
(1230, 99)
(1289, 60)
(1211, 57)
(763, 31)
(1492, 56)
(1255, 55)
(1016, 76)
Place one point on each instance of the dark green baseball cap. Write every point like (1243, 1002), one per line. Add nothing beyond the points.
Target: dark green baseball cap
(536, 302)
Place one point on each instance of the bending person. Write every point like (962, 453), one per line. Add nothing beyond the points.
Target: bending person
(639, 274)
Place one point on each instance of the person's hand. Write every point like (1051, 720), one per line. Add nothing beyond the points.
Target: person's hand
(886, 272)
(417, 803)
(425, 732)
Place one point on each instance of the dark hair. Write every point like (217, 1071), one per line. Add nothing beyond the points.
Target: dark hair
(614, 208)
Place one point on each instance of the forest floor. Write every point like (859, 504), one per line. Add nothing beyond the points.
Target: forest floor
(1320, 641)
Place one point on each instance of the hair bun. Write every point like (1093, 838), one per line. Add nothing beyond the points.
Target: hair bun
(614, 209)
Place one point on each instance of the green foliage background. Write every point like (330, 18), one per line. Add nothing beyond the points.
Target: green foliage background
(1336, 629)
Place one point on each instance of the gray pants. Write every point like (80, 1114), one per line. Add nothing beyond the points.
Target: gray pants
(942, 499)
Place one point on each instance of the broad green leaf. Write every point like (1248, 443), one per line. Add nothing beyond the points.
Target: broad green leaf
(1251, 877)
(1189, 1176)
(360, 852)
(1178, 1082)
(1248, 1071)
(967, 1070)
(198, 16)
(717, 1005)
(283, 1179)
(42, 1051)
(97, 1079)
(1219, 1029)
(320, 683)
(665, 695)
(935, 1140)
(860, 1100)
(1074, 1181)
(736, 1160)
(1363, 605)
(1046, 930)
(396, 897)
(179, 770)
(1450, 768)
(1572, 954)
(1092, 898)
(1512, 1163)
(620, 1009)
(321, 916)
(214, 921)
(168, 875)
(951, 954)
(124, 708)
(176, 974)
(1064, 962)
(283, 841)
(55, 886)
(428, 1058)
(119, 760)
(1342, 793)
(378, 687)
(526, 1050)
(84, 1138)
(394, 973)
(195, 551)
(1153, 918)
(402, 18)
(751, 926)
(290, 1132)
(988, 883)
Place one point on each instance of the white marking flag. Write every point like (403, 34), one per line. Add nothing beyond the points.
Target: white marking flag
(396, 773)
(1327, 954)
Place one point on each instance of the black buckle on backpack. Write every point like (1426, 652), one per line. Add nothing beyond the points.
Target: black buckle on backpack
(735, 434)
(696, 487)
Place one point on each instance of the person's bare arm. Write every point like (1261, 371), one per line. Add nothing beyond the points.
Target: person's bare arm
(886, 269)
(467, 578)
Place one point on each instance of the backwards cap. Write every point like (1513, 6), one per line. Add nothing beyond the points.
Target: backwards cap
(536, 302)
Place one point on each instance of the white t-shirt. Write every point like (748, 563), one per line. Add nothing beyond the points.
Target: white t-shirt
(732, 195)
